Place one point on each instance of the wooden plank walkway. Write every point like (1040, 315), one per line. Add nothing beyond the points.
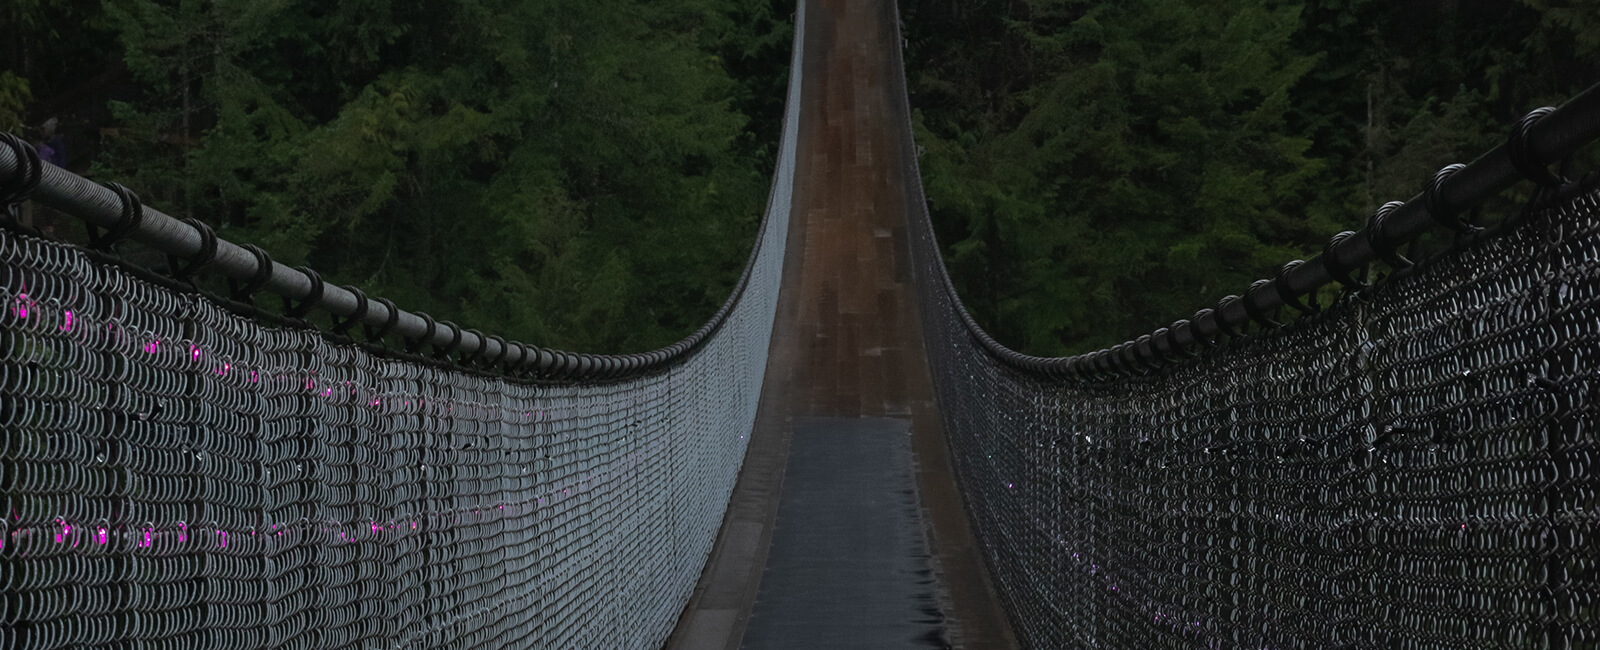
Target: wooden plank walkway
(847, 344)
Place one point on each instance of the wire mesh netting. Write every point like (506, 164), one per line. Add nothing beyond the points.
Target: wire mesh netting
(1410, 468)
(176, 476)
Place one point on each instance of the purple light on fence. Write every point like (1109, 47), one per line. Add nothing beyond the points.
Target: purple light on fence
(225, 368)
(146, 542)
(253, 378)
(151, 347)
(222, 539)
(66, 529)
(183, 532)
(66, 326)
(194, 352)
(100, 535)
(22, 305)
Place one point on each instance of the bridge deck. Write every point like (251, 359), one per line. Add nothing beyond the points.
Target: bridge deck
(847, 344)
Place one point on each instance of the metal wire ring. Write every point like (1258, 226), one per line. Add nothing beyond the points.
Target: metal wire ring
(1172, 337)
(206, 256)
(30, 169)
(505, 349)
(312, 299)
(482, 347)
(1220, 322)
(429, 327)
(1521, 153)
(1281, 285)
(444, 351)
(1336, 267)
(376, 335)
(128, 220)
(245, 291)
(1194, 326)
(342, 326)
(1434, 203)
(1255, 313)
(1379, 242)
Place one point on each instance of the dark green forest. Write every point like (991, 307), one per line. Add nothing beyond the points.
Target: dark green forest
(590, 175)
(585, 175)
(1099, 169)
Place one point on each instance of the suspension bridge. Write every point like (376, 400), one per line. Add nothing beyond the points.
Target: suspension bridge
(839, 458)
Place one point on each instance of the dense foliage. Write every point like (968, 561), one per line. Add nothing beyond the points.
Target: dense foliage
(1099, 169)
(587, 175)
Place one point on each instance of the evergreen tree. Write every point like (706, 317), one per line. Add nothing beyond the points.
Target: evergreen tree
(1097, 169)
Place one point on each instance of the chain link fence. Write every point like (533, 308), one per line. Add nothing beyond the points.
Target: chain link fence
(178, 476)
(1409, 468)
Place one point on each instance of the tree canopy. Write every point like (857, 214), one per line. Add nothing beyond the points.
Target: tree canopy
(1099, 169)
(586, 175)
(589, 175)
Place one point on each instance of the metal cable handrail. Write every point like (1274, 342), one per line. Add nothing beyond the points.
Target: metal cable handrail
(103, 206)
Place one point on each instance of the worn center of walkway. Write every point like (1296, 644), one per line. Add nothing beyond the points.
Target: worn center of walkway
(848, 567)
(845, 529)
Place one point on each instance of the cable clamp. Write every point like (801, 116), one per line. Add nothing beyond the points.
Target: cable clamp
(1435, 205)
(23, 182)
(1280, 283)
(128, 221)
(376, 335)
(443, 352)
(1255, 312)
(313, 297)
(206, 256)
(245, 291)
(1335, 266)
(342, 326)
(1521, 153)
(1221, 323)
(429, 326)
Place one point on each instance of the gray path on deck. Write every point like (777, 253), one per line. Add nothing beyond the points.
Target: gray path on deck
(848, 567)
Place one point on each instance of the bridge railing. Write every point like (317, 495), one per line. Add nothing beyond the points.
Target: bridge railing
(1411, 467)
(177, 475)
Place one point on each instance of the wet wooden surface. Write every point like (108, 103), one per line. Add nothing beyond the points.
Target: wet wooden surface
(847, 341)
